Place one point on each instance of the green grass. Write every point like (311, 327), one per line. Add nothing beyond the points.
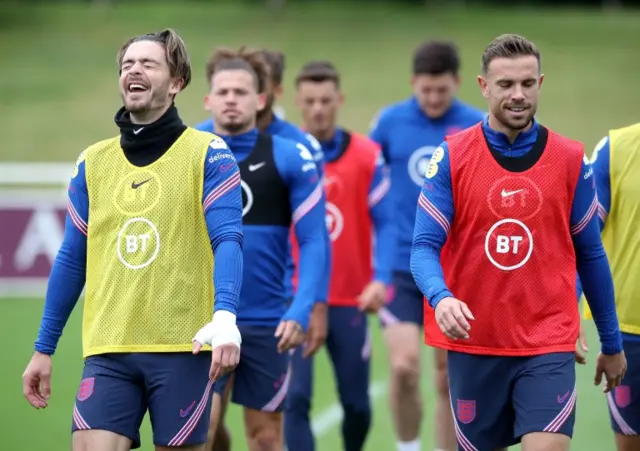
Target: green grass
(24, 428)
(59, 94)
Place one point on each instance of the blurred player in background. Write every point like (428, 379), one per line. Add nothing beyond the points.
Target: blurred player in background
(276, 62)
(281, 188)
(616, 165)
(357, 183)
(516, 204)
(142, 240)
(409, 132)
(270, 123)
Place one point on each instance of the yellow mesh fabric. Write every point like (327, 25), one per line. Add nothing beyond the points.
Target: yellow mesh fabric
(149, 260)
(620, 235)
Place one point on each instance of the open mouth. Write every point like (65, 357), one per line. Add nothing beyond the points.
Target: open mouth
(516, 109)
(137, 87)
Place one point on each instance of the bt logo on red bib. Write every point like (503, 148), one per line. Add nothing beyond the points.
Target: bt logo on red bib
(509, 244)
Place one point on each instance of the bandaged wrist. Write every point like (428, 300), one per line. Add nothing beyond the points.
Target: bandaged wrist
(224, 317)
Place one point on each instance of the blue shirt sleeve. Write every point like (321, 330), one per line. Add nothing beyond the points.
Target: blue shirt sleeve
(378, 131)
(600, 164)
(434, 217)
(312, 144)
(298, 170)
(592, 264)
(380, 210)
(68, 274)
(222, 206)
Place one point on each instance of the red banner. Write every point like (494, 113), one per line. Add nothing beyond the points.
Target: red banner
(31, 231)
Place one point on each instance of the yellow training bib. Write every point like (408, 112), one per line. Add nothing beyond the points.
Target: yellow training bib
(149, 259)
(621, 234)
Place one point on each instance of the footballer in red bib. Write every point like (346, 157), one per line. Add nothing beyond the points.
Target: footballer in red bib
(357, 210)
(506, 220)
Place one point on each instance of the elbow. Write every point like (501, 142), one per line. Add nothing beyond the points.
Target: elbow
(234, 236)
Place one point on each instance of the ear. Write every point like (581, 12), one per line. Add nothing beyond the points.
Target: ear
(262, 101)
(206, 101)
(540, 80)
(341, 98)
(176, 86)
(484, 86)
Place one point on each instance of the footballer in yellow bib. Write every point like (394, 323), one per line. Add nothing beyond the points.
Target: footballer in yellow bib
(154, 234)
(616, 165)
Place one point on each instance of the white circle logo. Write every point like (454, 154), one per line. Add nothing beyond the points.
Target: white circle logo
(335, 221)
(419, 162)
(247, 198)
(509, 244)
(138, 243)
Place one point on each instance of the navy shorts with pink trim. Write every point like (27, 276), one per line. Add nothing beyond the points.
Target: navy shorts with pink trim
(624, 400)
(261, 379)
(117, 390)
(406, 303)
(497, 400)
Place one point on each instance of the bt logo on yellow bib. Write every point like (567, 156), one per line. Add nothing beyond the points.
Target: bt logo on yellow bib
(138, 243)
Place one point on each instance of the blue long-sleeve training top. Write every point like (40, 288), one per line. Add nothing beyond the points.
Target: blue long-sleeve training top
(430, 235)
(408, 138)
(379, 208)
(287, 130)
(263, 300)
(68, 273)
(600, 159)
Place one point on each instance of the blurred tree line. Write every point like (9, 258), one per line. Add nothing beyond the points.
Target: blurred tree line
(283, 3)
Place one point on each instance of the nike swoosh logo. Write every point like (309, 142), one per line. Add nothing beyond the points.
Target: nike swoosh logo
(185, 412)
(135, 132)
(255, 167)
(563, 398)
(135, 185)
(506, 193)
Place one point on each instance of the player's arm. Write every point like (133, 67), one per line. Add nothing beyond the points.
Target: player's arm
(315, 148)
(601, 170)
(434, 217)
(600, 166)
(381, 216)
(592, 264)
(222, 206)
(308, 217)
(378, 131)
(68, 273)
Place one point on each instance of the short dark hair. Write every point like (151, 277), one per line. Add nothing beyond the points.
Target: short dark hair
(175, 53)
(436, 58)
(244, 59)
(275, 60)
(318, 72)
(508, 46)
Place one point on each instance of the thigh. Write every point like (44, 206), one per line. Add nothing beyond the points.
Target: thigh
(624, 400)
(262, 378)
(179, 396)
(406, 304)
(349, 347)
(480, 390)
(110, 398)
(544, 394)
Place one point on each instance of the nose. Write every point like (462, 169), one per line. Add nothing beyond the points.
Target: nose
(518, 94)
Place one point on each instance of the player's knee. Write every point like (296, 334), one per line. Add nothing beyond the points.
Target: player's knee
(266, 439)
(406, 370)
(297, 402)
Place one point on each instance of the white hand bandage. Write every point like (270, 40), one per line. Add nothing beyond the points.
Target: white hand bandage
(221, 330)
